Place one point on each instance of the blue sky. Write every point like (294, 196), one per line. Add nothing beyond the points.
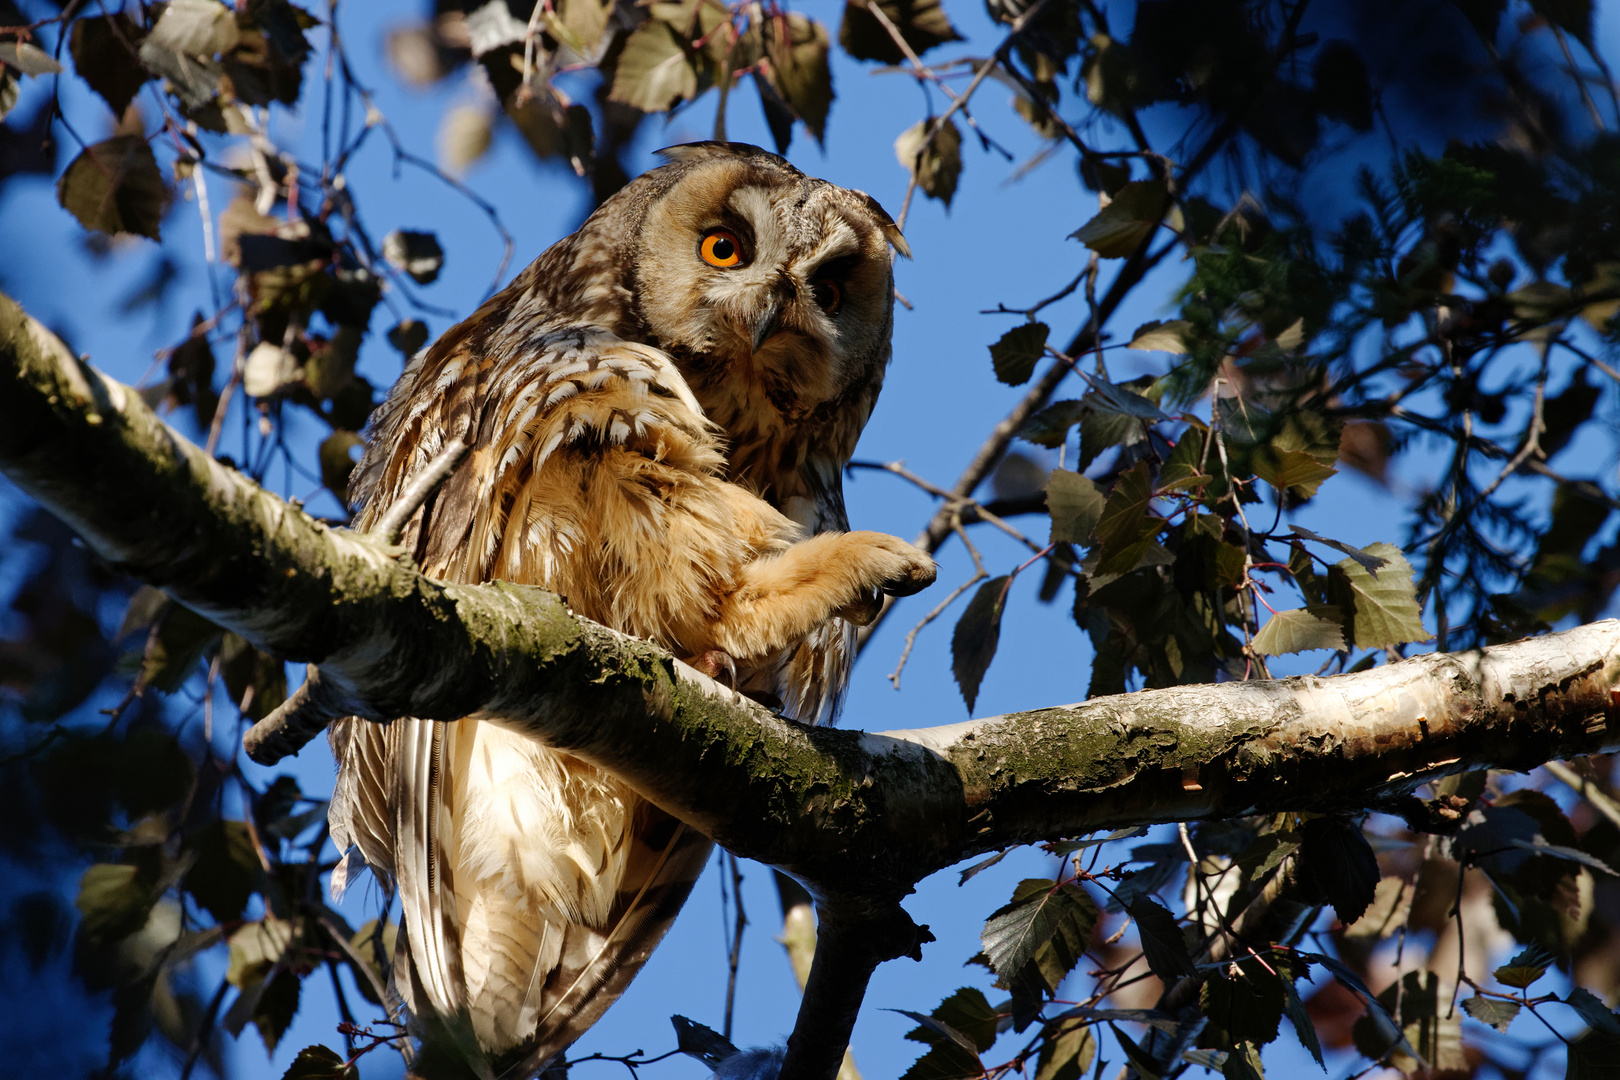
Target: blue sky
(1001, 242)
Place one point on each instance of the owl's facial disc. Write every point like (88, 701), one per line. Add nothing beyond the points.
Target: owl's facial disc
(784, 283)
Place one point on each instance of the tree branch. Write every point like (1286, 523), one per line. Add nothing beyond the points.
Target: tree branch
(859, 817)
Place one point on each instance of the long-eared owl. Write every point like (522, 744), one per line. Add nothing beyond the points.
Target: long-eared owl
(658, 412)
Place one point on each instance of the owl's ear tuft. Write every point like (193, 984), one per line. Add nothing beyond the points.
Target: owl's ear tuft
(709, 150)
(884, 222)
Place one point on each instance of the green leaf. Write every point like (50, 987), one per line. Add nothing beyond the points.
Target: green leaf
(182, 638)
(945, 1061)
(276, 1007)
(1162, 943)
(1127, 221)
(695, 1040)
(922, 25)
(1595, 1056)
(114, 900)
(1338, 864)
(1183, 469)
(1524, 969)
(115, 187)
(934, 1030)
(1104, 428)
(1284, 469)
(654, 72)
(1372, 563)
(1039, 907)
(1593, 1011)
(1300, 1017)
(1127, 525)
(1146, 1067)
(1075, 503)
(1384, 610)
(968, 1014)
(225, 869)
(1113, 397)
(1050, 427)
(1497, 1012)
(973, 644)
(1242, 1063)
(935, 161)
(1016, 354)
(1301, 629)
(1065, 1054)
(319, 1063)
(245, 668)
(799, 71)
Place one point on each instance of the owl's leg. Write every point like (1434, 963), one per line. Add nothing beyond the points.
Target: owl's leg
(780, 598)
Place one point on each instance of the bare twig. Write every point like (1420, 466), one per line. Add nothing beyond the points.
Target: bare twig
(421, 486)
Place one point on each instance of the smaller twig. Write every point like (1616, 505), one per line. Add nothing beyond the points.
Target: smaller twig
(939, 609)
(421, 486)
(978, 511)
(296, 721)
(737, 928)
(204, 1026)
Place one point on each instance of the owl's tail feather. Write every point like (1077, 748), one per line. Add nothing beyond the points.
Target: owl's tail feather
(596, 966)
(755, 1063)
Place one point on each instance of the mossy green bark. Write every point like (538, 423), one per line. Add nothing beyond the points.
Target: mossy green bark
(855, 815)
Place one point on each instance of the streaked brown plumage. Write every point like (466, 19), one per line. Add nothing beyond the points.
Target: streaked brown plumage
(658, 436)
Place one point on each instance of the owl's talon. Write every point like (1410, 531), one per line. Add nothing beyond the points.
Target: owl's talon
(861, 612)
(715, 662)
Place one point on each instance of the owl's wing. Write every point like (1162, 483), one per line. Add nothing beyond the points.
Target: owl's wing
(532, 886)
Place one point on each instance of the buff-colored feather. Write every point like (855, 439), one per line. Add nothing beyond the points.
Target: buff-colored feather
(533, 886)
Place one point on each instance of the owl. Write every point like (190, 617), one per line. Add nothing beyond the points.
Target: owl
(658, 411)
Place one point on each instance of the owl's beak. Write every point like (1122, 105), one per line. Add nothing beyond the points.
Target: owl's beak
(767, 322)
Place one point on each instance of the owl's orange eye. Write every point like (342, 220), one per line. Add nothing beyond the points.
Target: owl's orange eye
(720, 248)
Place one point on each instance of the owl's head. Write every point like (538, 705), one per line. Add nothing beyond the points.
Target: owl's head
(772, 290)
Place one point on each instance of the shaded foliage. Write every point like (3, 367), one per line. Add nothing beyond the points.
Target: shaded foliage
(1460, 302)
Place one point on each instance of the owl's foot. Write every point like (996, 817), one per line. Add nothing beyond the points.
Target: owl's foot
(716, 665)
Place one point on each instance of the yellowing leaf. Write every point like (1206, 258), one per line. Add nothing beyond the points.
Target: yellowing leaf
(28, 59)
(268, 369)
(1284, 469)
(1121, 226)
(922, 25)
(464, 136)
(1299, 630)
(654, 72)
(196, 28)
(798, 68)
(936, 162)
(1159, 336)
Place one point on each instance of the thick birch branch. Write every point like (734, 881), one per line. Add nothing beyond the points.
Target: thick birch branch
(854, 814)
